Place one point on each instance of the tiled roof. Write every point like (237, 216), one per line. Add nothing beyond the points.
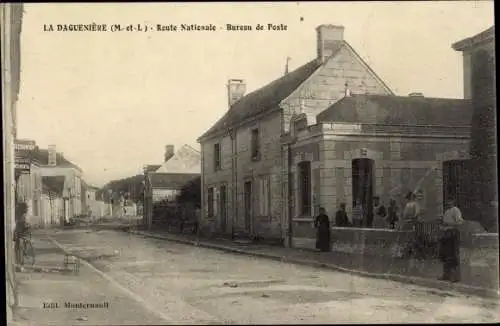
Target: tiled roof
(265, 98)
(399, 110)
(152, 167)
(185, 160)
(271, 95)
(54, 184)
(171, 180)
(42, 156)
(486, 35)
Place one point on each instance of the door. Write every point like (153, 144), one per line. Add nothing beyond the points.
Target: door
(65, 215)
(248, 205)
(362, 186)
(223, 208)
(454, 183)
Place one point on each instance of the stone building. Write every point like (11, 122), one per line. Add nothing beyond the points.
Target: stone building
(164, 182)
(480, 87)
(243, 160)
(179, 167)
(377, 145)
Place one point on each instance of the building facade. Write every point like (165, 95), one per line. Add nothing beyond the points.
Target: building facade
(54, 164)
(377, 145)
(29, 191)
(243, 159)
(480, 87)
(178, 168)
(164, 182)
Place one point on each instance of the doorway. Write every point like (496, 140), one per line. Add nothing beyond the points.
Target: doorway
(304, 170)
(455, 183)
(223, 208)
(248, 205)
(363, 187)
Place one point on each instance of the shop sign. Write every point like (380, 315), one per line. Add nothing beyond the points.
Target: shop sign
(22, 165)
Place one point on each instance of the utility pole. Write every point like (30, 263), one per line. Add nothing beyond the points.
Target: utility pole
(286, 65)
(9, 157)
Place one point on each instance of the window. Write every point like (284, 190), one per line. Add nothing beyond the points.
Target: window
(255, 144)
(264, 196)
(210, 202)
(455, 182)
(35, 207)
(305, 188)
(217, 155)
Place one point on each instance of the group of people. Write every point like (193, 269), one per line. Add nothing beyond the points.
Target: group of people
(380, 217)
(449, 238)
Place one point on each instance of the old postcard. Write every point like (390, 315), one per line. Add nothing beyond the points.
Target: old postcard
(250, 163)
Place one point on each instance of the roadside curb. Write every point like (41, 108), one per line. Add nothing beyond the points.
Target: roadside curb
(131, 294)
(414, 280)
(46, 269)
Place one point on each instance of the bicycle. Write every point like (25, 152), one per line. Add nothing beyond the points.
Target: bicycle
(27, 252)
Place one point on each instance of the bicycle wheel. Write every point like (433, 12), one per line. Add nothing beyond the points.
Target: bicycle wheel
(20, 253)
(28, 253)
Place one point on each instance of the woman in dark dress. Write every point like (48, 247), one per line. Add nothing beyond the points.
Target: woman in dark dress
(322, 223)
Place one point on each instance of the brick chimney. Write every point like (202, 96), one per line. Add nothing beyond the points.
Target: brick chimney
(52, 161)
(328, 39)
(169, 152)
(236, 89)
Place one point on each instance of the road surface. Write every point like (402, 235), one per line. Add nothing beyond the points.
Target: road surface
(184, 284)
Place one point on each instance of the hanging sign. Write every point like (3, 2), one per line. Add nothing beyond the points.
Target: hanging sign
(23, 145)
(22, 165)
(23, 149)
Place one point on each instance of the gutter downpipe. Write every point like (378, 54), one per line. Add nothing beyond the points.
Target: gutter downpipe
(200, 216)
(232, 135)
(290, 197)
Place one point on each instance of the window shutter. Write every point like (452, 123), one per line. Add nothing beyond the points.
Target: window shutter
(263, 196)
(267, 195)
(215, 197)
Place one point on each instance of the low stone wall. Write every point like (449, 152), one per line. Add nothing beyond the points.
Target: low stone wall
(267, 228)
(477, 249)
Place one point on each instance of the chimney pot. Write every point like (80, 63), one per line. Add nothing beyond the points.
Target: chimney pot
(328, 39)
(347, 91)
(236, 89)
(169, 152)
(52, 160)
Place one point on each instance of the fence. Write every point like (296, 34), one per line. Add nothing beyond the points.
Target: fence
(175, 216)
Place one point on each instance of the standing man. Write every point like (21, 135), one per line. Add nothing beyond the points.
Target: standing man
(392, 214)
(358, 214)
(322, 223)
(379, 213)
(341, 219)
(412, 210)
(449, 246)
(20, 228)
(411, 215)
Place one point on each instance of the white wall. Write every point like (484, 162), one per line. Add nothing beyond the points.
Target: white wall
(160, 194)
(73, 181)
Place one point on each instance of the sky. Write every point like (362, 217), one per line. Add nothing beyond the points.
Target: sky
(112, 101)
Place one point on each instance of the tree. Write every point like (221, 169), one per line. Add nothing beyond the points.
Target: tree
(191, 193)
